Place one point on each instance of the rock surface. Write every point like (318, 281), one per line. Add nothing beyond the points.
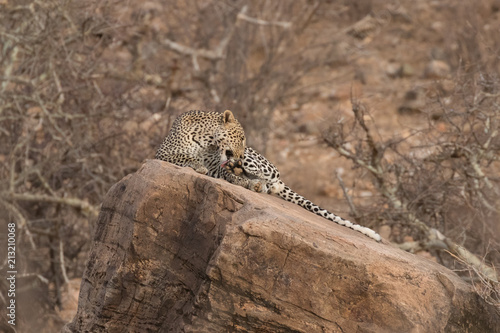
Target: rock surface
(175, 251)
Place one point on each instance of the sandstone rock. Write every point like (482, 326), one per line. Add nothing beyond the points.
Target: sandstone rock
(175, 251)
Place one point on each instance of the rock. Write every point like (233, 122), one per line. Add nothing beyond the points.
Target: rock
(436, 69)
(415, 100)
(363, 28)
(130, 127)
(407, 70)
(175, 251)
(439, 53)
(395, 70)
(385, 231)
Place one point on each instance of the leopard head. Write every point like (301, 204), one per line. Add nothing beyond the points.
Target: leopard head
(230, 138)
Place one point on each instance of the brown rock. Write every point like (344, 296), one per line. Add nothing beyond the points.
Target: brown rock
(175, 251)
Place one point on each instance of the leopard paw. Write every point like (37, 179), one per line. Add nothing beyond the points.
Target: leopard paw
(258, 185)
(203, 170)
(234, 166)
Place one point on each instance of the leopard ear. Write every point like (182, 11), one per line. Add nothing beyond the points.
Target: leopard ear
(228, 117)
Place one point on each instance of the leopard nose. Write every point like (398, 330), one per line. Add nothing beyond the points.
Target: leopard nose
(229, 153)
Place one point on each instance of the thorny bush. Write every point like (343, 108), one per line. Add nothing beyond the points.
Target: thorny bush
(438, 188)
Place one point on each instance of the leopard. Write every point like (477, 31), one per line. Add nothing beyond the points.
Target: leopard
(255, 166)
(206, 141)
(214, 144)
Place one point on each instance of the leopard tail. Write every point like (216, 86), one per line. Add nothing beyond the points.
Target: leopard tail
(288, 194)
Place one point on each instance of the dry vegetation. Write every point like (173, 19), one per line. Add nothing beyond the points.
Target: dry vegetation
(89, 88)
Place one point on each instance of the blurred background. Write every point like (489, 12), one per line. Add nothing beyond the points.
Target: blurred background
(384, 112)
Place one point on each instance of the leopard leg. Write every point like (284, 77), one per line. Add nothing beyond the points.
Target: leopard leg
(236, 168)
(256, 185)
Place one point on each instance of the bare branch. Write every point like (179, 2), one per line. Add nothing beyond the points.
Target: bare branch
(242, 16)
(436, 240)
(61, 260)
(217, 54)
(21, 221)
(472, 260)
(186, 50)
(86, 208)
(346, 195)
(371, 157)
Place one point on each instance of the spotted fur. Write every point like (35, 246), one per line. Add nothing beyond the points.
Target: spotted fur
(257, 167)
(206, 141)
